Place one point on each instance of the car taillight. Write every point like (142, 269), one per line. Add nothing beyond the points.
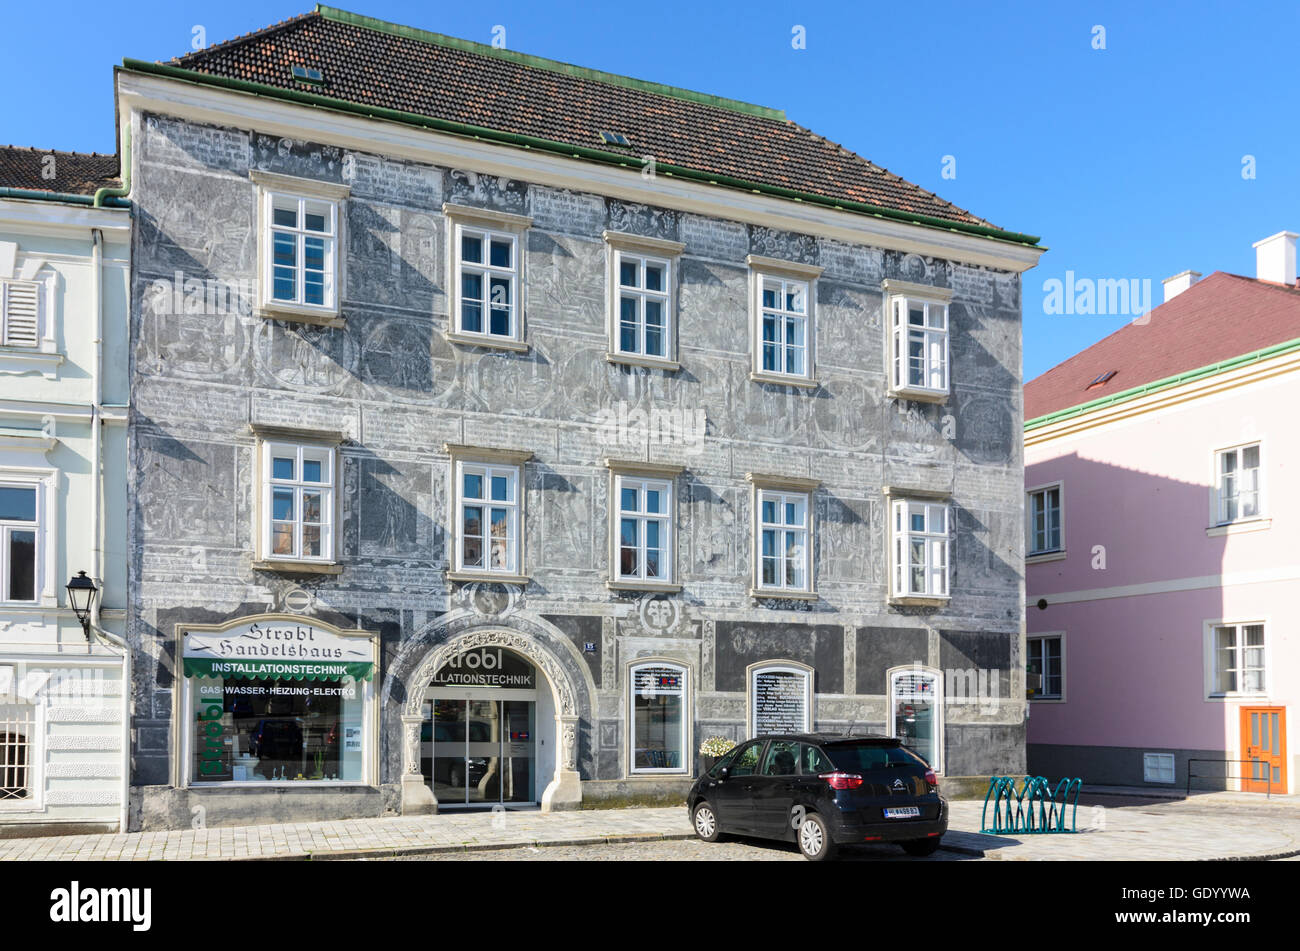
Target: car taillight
(931, 779)
(842, 780)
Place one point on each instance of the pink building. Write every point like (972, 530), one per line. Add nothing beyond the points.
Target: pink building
(1162, 477)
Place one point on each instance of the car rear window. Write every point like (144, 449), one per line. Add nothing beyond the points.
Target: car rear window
(860, 757)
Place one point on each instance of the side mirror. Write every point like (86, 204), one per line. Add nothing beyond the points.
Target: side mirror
(724, 773)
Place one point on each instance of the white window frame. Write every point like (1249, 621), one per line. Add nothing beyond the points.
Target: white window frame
(1030, 550)
(1211, 655)
(900, 536)
(761, 271)
(642, 475)
(687, 767)
(1149, 764)
(643, 250)
(488, 463)
(752, 674)
(782, 490)
(34, 720)
(273, 187)
(45, 481)
(1218, 514)
(488, 225)
(302, 444)
(900, 298)
(1043, 697)
(7, 527)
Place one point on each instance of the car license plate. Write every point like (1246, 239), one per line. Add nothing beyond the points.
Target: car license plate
(903, 812)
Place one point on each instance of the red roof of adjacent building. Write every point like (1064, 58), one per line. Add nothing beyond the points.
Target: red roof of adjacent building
(1216, 319)
(50, 170)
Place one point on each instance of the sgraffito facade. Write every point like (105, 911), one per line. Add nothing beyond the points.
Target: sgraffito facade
(559, 564)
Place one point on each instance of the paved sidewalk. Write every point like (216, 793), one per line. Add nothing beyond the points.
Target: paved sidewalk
(1174, 830)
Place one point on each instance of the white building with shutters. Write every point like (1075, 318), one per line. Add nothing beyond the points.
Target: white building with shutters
(64, 265)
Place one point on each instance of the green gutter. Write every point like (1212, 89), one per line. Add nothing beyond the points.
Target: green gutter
(65, 197)
(554, 66)
(119, 191)
(1187, 377)
(572, 151)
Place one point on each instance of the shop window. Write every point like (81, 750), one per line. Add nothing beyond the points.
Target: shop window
(278, 700)
(659, 718)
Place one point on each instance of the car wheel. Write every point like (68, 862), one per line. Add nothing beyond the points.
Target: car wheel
(921, 846)
(815, 840)
(706, 823)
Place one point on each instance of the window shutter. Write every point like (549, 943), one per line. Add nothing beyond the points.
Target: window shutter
(21, 310)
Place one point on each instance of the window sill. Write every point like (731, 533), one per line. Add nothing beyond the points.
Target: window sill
(299, 567)
(498, 576)
(637, 360)
(783, 594)
(777, 379)
(920, 396)
(1046, 699)
(1239, 528)
(631, 584)
(921, 601)
(1045, 556)
(486, 340)
(295, 313)
(1237, 696)
(27, 359)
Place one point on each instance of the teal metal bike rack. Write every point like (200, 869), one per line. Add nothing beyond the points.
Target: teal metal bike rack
(1034, 808)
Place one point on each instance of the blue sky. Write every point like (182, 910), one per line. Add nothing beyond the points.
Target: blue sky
(1127, 160)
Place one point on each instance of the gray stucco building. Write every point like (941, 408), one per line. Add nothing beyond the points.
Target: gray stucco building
(480, 458)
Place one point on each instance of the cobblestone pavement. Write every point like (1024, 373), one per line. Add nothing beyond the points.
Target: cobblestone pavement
(685, 850)
(1112, 827)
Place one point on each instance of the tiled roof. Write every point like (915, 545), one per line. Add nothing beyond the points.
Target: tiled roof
(74, 173)
(1219, 318)
(370, 63)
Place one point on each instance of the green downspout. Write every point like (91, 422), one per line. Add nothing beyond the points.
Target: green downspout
(119, 191)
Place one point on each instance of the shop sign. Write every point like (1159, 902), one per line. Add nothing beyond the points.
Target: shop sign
(486, 667)
(270, 648)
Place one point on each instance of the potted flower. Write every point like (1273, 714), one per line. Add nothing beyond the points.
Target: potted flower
(713, 749)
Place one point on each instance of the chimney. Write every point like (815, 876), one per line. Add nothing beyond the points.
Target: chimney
(1178, 283)
(1275, 258)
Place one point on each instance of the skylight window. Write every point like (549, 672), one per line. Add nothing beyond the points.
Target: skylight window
(1101, 379)
(307, 74)
(614, 138)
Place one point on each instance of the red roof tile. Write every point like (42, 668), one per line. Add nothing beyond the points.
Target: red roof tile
(73, 173)
(1218, 318)
(376, 64)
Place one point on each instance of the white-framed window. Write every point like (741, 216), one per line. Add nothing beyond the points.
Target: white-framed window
(644, 304)
(645, 528)
(298, 501)
(1238, 659)
(20, 313)
(1045, 664)
(920, 547)
(659, 717)
(917, 318)
(20, 757)
(1043, 514)
(21, 539)
(300, 240)
(488, 518)
(783, 312)
(915, 713)
(783, 326)
(783, 533)
(1238, 488)
(1158, 768)
(486, 283)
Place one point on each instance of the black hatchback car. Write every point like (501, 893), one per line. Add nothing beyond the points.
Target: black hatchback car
(822, 791)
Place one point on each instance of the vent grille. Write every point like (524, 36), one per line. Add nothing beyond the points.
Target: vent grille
(20, 303)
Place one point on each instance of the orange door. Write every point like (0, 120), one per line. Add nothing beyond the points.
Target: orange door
(1263, 745)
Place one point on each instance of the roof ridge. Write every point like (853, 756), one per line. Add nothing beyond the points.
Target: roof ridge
(540, 62)
(975, 219)
(241, 38)
(41, 151)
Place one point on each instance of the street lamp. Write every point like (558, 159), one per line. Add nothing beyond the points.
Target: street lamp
(81, 595)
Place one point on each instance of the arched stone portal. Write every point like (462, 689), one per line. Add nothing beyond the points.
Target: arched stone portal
(565, 788)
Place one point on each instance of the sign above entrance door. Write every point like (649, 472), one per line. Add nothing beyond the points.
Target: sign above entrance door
(487, 667)
(277, 648)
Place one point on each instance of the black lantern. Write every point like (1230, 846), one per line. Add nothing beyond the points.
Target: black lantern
(81, 595)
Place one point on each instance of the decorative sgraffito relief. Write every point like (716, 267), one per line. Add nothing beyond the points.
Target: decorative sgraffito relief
(642, 219)
(286, 156)
(786, 245)
(486, 191)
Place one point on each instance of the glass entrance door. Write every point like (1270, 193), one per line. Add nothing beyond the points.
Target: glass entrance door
(482, 751)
